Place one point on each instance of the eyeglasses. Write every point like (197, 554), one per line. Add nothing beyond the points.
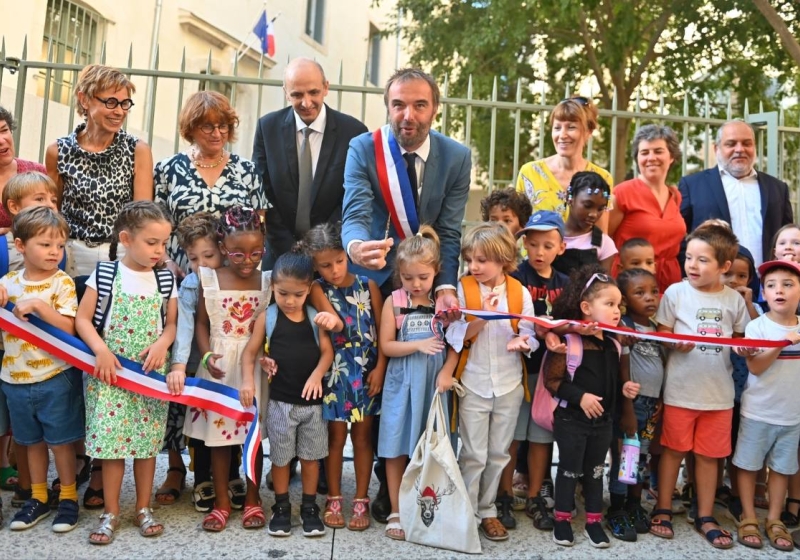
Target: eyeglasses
(577, 99)
(595, 277)
(239, 258)
(209, 128)
(113, 103)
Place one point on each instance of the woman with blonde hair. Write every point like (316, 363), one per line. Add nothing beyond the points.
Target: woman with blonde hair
(545, 181)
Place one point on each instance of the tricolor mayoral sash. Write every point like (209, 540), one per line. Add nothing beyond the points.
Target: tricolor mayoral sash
(394, 183)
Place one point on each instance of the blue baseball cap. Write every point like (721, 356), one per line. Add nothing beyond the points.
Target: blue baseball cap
(544, 220)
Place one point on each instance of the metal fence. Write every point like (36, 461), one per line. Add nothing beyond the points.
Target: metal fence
(778, 150)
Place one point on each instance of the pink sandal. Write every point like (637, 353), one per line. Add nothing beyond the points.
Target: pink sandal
(360, 511)
(255, 513)
(333, 508)
(217, 520)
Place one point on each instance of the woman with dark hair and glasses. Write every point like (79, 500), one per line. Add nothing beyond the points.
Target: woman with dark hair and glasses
(647, 207)
(99, 167)
(545, 181)
(206, 177)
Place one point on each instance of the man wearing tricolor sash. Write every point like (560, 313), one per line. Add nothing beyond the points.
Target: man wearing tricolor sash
(396, 178)
(386, 198)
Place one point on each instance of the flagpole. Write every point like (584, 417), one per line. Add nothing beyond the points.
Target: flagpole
(250, 40)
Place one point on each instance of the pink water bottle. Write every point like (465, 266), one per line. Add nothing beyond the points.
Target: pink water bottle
(629, 460)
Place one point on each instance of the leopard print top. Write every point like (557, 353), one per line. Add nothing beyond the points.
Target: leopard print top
(96, 184)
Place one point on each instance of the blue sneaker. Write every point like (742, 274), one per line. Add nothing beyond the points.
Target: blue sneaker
(620, 525)
(31, 513)
(66, 517)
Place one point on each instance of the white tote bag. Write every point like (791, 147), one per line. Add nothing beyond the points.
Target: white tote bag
(434, 507)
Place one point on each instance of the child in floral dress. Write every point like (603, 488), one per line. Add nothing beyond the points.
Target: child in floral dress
(230, 299)
(134, 324)
(352, 389)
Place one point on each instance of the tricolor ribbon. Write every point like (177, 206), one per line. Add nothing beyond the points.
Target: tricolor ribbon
(658, 336)
(394, 183)
(198, 393)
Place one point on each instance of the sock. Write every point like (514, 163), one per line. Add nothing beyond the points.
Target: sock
(593, 517)
(281, 498)
(309, 498)
(617, 502)
(563, 515)
(39, 492)
(69, 492)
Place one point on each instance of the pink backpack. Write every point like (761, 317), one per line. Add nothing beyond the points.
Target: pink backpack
(544, 404)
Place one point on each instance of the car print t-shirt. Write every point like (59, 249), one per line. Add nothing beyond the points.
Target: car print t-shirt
(702, 378)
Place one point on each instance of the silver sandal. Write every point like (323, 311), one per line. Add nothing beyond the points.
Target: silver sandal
(144, 519)
(108, 526)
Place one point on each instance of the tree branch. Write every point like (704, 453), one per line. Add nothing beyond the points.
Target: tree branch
(650, 55)
(780, 27)
(591, 55)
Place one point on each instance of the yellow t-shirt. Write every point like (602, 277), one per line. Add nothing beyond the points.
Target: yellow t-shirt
(543, 190)
(23, 362)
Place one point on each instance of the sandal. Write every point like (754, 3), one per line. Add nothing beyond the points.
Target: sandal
(713, 534)
(94, 493)
(145, 521)
(108, 528)
(665, 523)
(393, 524)
(749, 528)
(9, 477)
(217, 520)
(536, 509)
(237, 491)
(254, 513)
(333, 512)
(20, 496)
(360, 514)
(85, 473)
(493, 530)
(174, 493)
(789, 519)
(776, 530)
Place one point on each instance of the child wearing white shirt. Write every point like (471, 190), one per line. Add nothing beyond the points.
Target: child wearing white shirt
(492, 373)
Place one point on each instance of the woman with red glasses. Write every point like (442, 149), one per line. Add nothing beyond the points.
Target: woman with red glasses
(545, 181)
(99, 167)
(206, 177)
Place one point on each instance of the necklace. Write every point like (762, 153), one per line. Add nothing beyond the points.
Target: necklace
(196, 160)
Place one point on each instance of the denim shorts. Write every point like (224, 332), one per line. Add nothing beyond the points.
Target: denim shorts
(51, 411)
(527, 429)
(759, 441)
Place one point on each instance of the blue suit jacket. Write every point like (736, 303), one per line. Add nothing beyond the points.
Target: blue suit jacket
(445, 189)
(703, 198)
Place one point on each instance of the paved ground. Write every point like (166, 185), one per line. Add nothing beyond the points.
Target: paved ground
(184, 538)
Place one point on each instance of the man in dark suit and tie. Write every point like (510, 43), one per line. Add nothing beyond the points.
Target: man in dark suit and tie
(754, 203)
(300, 152)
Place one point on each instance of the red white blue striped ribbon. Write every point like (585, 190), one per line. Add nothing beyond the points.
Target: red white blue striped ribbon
(394, 183)
(658, 336)
(199, 393)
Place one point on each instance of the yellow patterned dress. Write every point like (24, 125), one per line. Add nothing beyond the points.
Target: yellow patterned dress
(544, 191)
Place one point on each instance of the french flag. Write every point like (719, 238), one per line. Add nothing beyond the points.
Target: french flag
(266, 34)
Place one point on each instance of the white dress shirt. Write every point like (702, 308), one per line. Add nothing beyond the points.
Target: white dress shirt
(315, 139)
(491, 370)
(744, 205)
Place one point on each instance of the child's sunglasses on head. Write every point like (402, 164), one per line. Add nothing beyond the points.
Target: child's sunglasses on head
(596, 276)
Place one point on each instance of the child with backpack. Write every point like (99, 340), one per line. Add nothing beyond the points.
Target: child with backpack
(585, 382)
(490, 369)
(588, 196)
(129, 308)
(296, 360)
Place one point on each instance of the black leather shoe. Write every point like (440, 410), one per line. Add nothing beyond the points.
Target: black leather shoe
(381, 505)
